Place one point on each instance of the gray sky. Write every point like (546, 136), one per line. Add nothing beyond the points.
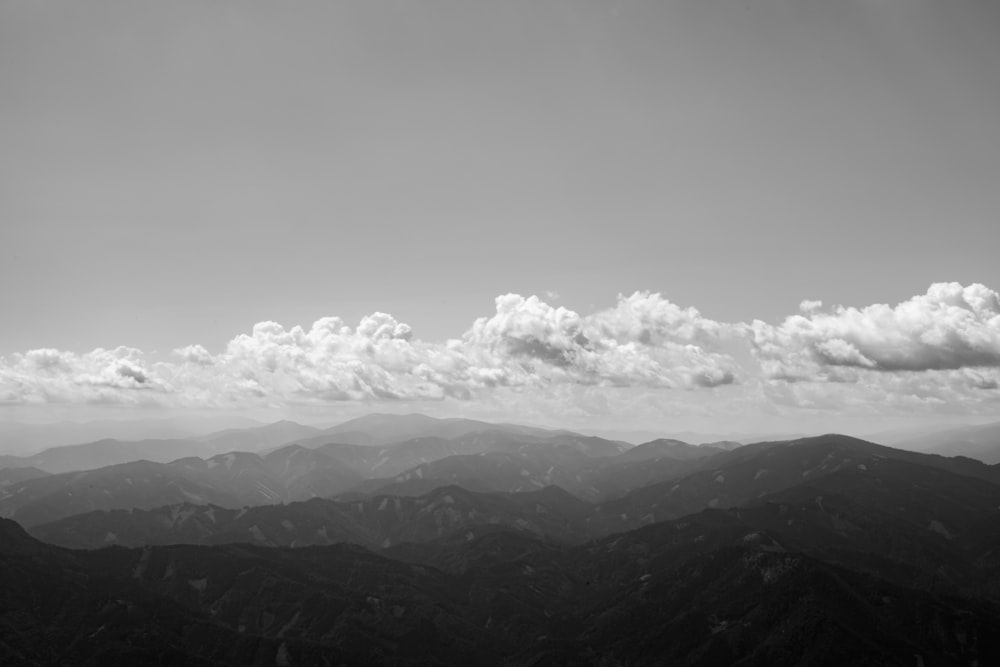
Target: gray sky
(172, 173)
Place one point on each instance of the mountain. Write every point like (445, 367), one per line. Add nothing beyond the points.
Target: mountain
(387, 429)
(822, 551)
(905, 523)
(856, 508)
(287, 474)
(9, 476)
(395, 460)
(735, 439)
(377, 522)
(591, 468)
(505, 472)
(92, 455)
(709, 589)
(139, 484)
(752, 471)
(667, 448)
(260, 438)
(227, 606)
(711, 592)
(24, 439)
(976, 442)
(590, 478)
(235, 479)
(613, 478)
(102, 453)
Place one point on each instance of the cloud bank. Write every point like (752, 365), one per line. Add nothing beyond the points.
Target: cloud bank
(941, 348)
(951, 327)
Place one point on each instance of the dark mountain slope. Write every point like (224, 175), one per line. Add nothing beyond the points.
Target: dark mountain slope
(708, 589)
(236, 606)
(63, 608)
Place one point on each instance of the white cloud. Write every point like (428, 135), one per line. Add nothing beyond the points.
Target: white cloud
(644, 340)
(100, 376)
(937, 351)
(950, 327)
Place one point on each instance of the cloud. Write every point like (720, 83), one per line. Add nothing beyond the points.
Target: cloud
(950, 327)
(120, 375)
(644, 340)
(936, 351)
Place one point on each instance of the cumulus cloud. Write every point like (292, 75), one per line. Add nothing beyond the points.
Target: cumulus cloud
(949, 327)
(938, 349)
(643, 341)
(45, 375)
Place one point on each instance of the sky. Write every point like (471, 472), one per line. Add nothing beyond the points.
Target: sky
(699, 214)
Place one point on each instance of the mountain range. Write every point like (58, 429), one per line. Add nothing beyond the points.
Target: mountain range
(872, 560)
(487, 544)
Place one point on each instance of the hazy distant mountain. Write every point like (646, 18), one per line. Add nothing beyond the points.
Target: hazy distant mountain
(288, 474)
(387, 429)
(23, 439)
(693, 437)
(93, 455)
(487, 461)
(259, 438)
(980, 442)
(667, 448)
(391, 460)
(517, 472)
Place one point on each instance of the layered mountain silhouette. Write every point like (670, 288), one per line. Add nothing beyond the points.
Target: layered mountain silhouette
(235, 479)
(109, 451)
(835, 498)
(25, 439)
(294, 472)
(490, 546)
